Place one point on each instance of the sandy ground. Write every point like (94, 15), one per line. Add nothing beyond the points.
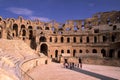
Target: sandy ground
(55, 71)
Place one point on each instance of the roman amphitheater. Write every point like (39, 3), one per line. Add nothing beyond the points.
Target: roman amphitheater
(25, 44)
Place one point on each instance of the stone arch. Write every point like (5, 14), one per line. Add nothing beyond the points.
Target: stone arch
(29, 22)
(104, 38)
(113, 38)
(118, 54)
(12, 19)
(22, 26)
(74, 52)
(111, 53)
(38, 28)
(87, 51)
(80, 39)
(80, 51)
(103, 51)
(44, 49)
(23, 32)
(62, 51)
(87, 39)
(42, 39)
(30, 27)
(68, 51)
(56, 53)
(30, 32)
(94, 51)
(74, 39)
(62, 39)
(15, 28)
(46, 28)
(95, 39)
(68, 40)
(50, 39)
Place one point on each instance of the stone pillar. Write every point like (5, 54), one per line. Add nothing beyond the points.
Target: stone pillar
(116, 54)
(4, 34)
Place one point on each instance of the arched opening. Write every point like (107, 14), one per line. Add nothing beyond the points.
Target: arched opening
(23, 33)
(113, 38)
(68, 51)
(62, 51)
(30, 34)
(30, 27)
(95, 39)
(22, 26)
(56, 53)
(87, 51)
(50, 39)
(42, 39)
(111, 53)
(87, 39)
(104, 38)
(62, 39)
(38, 28)
(74, 39)
(46, 28)
(74, 52)
(15, 28)
(103, 52)
(80, 39)
(68, 40)
(44, 49)
(80, 51)
(119, 54)
(114, 27)
(94, 51)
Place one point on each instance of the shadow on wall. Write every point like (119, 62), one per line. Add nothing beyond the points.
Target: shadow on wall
(33, 44)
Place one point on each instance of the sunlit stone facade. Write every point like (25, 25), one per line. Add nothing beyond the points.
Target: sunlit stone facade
(97, 35)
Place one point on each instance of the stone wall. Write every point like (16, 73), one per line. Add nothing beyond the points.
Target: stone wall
(97, 34)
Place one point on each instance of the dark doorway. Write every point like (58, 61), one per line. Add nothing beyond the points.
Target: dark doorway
(74, 52)
(56, 53)
(95, 39)
(94, 51)
(87, 39)
(113, 38)
(15, 28)
(119, 54)
(111, 53)
(30, 34)
(103, 53)
(44, 49)
(65, 60)
(42, 39)
(23, 33)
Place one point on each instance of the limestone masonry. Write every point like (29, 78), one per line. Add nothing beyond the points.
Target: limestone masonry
(25, 44)
(99, 35)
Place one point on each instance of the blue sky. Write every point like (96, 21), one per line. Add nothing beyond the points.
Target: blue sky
(59, 10)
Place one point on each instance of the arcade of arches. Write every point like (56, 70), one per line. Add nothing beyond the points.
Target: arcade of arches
(87, 36)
